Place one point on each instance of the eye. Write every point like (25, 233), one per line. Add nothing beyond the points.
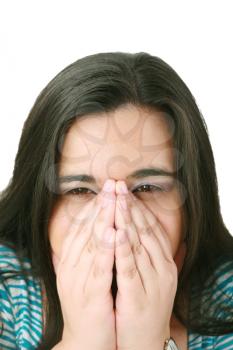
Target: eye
(79, 191)
(152, 188)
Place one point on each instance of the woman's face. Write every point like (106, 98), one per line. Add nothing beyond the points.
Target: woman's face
(115, 145)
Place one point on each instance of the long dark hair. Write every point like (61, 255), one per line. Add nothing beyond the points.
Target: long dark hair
(97, 83)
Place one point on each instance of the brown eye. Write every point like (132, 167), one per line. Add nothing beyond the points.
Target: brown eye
(79, 191)
(152, 188)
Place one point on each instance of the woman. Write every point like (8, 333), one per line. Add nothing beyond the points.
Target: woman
(111, 223)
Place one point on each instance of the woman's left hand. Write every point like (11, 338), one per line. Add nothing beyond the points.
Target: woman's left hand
(147, 278)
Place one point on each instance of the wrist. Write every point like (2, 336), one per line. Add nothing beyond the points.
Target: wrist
(161, 343)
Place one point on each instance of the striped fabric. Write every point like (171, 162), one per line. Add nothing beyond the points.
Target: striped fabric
(217, 293)
(21, 306)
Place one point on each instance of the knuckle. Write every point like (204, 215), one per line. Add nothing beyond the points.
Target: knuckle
(90, 247)
(137, 248)
(154, 225)
(151, 219)
(146, 231)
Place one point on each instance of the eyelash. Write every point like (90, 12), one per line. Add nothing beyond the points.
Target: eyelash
(78, 188)
(154, 189)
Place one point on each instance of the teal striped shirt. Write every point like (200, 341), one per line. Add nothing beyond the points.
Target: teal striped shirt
(21, 306)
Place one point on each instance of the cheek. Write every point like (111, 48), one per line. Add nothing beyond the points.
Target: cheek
(59, 225)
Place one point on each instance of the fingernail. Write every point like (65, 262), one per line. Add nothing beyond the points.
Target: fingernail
(122, 188)
(109, 186)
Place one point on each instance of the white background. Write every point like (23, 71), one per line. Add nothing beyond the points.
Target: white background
(40, 38)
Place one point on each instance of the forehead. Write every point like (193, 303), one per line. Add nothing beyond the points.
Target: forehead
(121, 141)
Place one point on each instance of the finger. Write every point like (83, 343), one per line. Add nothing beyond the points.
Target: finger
(102, 244)
(123, 219)
(128, 278)
(91, 234)
(81, 239)
(142, 214)
(106, 216)
(157, 249)
(76, 229)
(125, 222)
(76, 226)
(154, 248)
(152, 237)
(66, 273)
(101, 271)
(141, 256)
(89, 213)
(165, 268)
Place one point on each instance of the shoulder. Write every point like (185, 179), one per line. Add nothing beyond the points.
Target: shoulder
(220, 286)
(216, 302)
(20, 303)
(9, 261)
(221, 300)
(201, 342)
(217, 289)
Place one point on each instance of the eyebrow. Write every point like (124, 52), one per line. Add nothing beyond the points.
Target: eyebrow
(138, 174)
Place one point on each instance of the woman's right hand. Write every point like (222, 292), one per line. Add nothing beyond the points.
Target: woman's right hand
(84, 277)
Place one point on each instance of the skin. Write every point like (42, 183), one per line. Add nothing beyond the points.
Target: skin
(112, 146)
